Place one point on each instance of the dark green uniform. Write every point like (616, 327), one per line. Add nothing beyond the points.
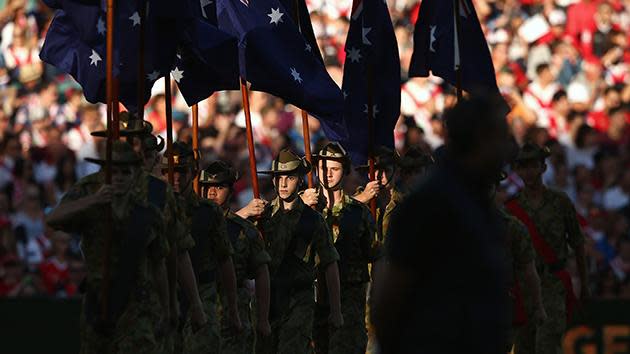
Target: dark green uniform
(298, 241)
(133, 331)
(206, 224)
(556, 221)
(354, 236)
(249, 256)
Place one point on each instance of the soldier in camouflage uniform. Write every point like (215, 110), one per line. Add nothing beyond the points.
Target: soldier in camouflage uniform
(138, 134)
(136, 262)
(298, 240)
(250, 261)
(354, 236)
(385, 172)
(212, 253)
(553, 226)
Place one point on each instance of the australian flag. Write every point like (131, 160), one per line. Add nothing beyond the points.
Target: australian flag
(371, 61)
(439, 48)
(275, 58)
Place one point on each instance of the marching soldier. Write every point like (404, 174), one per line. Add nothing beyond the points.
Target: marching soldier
(138, 134)
(250, 261)
(552, 223)
(137, 260)
(211, 254)
(298, 240)
(354, 236)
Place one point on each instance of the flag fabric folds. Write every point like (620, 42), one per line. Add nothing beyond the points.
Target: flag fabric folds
(438, 47)
(372, 63)
(275, 58)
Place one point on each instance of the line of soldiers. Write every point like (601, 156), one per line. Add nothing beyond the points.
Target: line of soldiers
(286, 276)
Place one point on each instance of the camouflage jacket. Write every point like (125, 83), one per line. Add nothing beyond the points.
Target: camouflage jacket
(249, 248)
(520, 249)
(556, 221)
(92, 225)
(279, 229)
(205, 261)
(354, 236)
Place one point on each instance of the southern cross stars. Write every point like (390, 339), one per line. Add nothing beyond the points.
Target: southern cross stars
(203, 4)
(100, 26)
(433, 28)
(135, 18)
(177, 74)
(308, 47)
(276, 16)
(153, 75)
(296, 75)
(94, 58)
(364, 32)
(375, 110)
(354, 54)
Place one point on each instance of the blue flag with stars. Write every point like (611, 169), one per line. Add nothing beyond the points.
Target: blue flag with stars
(275, 58)
(436, 48)
(207, 59)
(371, 55)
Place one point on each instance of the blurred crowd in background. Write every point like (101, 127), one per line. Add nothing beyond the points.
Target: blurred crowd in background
(563, 65)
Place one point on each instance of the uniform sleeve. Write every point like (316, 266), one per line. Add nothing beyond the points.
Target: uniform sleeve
(75, 225)
(371, 246)
(159, 247)
(174, 224)
(522, 249)
(575, 237)
(257, 254)
(322, 242)
(222, 247)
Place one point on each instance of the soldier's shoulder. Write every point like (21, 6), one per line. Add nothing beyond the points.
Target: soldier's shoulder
(559, 196)
(93, 178)
(354, 204)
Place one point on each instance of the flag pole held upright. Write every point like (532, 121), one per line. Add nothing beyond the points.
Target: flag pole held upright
(172, 256)
(250, 139)
(457, 60)
(104, 295)
(195, 141)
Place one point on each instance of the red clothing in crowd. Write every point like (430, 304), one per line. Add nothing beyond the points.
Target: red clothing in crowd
(56, 277)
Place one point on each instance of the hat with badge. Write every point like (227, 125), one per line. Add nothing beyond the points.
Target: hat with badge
(415, 158)
(286, 163)
(384, 157)
(183, 156)
(218, 173)
(531, 151)
(122, 154)
(129, 125)
(333, 151)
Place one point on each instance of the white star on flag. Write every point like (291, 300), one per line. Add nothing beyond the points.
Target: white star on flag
(203, 4)
(308, 47)
(177, 74)
(100, 26)
(364, 32)
(135, 18)
(276, 16)
(345, 94)
(375, 110)
(94, 58)
(464, 10)
(433, 28)
(354, 54)
(245, 2)
(296, 75)
(153, 75)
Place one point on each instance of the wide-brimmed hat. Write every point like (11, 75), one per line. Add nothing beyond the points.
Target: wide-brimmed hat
(287, 162)
(218, 172)
(414, 158)
(384, 157)
(129, 125)
(122, 154)
(153, 142)
(183, 156)
(531, 151)
(333, 151)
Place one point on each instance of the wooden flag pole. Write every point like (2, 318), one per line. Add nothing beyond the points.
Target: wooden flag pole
(306, 133)
(457, 49)
(195, 142)
(250, 139)
(171, 261)
(115, 110)
(104, 295)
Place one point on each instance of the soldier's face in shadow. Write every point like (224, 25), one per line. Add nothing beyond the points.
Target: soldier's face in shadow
(217, 193)
(123, 177)
(530, 171)
(287, 186)
(333, 173)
